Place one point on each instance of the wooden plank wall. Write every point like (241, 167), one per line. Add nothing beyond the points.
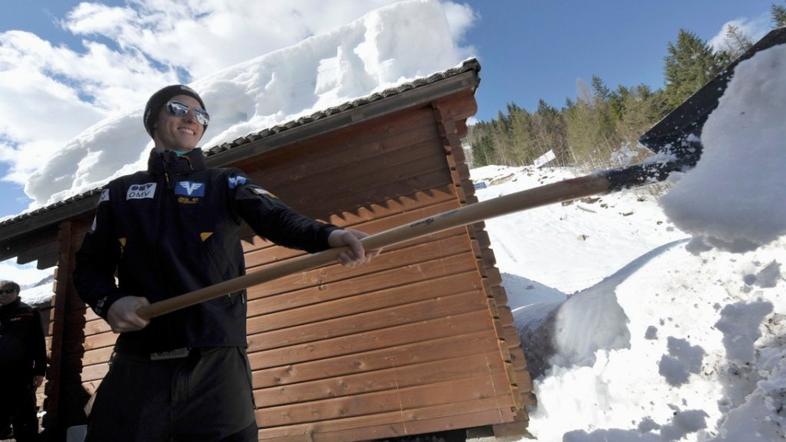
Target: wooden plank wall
(414, 342)
(408, 344)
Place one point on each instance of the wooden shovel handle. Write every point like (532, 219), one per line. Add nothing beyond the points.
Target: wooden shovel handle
(523, 200)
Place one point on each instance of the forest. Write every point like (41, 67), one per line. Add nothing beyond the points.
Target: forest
(601, 126)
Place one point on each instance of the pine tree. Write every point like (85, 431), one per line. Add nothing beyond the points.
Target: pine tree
(500, 136)
(617, 101)
(735, 42)
(689, 65)
(548, 126)
(641, 111)
(521, 135)
(778, 15)
(599, 88)
(482, 151)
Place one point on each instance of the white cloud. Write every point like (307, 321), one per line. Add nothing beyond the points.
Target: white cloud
(205, 36)
(753, 28)
(461, 18)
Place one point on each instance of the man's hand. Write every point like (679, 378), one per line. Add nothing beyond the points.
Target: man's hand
(122, 316)
(351, 238)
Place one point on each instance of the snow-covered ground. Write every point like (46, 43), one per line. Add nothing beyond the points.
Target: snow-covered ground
(654, 341)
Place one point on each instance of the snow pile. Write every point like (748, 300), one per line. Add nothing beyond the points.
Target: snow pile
(662, 343)
(684, 340)
(735, 197)
(387, 46)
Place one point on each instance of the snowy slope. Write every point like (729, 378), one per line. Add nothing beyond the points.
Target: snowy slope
(644, 335)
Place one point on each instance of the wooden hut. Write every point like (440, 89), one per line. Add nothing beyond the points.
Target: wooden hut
(419, 341)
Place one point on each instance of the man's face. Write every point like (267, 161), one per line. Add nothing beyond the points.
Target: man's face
(178, 133)
(7, 295)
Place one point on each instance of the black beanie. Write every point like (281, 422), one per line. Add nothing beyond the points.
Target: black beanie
(160, 98)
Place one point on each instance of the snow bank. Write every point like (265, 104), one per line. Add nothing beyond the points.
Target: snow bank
(388, 46)
(630, 335)
(735, 197)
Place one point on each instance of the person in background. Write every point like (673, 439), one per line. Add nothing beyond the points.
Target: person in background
(22, 364)
(166, 231)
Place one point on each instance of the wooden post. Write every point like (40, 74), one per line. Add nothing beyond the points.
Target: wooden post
(65, 396)
(53, 372)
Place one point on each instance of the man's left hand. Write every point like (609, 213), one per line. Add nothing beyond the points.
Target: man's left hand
(356, 254)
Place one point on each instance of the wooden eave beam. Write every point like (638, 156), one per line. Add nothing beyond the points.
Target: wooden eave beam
(13, 234)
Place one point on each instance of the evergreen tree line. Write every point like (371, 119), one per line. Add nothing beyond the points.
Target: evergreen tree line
(601, 126)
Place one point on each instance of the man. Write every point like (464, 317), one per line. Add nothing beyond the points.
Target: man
(22, 363)
(172, 229)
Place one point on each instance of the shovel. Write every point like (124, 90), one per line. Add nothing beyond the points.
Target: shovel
(675, 140)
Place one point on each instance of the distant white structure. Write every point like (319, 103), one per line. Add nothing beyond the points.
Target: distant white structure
(545, 158)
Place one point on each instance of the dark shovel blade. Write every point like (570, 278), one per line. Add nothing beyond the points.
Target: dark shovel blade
(676, 138)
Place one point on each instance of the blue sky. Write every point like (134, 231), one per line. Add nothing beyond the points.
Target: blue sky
(528, 49)
(538, 49)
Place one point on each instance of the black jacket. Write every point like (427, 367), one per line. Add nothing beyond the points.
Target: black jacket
(22, 346)
(174, 229)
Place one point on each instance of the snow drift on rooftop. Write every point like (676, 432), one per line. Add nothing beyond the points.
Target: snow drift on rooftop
(385, 47)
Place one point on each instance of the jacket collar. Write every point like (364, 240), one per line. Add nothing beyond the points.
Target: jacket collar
(167, 161)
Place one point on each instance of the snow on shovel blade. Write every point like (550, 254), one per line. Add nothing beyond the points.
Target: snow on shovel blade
(676, 138)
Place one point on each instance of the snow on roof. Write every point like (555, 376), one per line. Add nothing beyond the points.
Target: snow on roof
(385, 48)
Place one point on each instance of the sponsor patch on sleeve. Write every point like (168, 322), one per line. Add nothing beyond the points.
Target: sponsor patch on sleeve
(236, 180)
(141, 191)
(190, 188)
(104, 196)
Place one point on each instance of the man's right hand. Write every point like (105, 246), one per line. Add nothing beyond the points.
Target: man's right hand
(123, 317)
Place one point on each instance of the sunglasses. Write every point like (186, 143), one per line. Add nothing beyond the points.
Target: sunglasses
(7, 291)
(178, 109)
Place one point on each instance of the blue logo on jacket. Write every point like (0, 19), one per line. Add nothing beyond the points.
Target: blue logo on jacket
(190, 188)
(236, 181)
